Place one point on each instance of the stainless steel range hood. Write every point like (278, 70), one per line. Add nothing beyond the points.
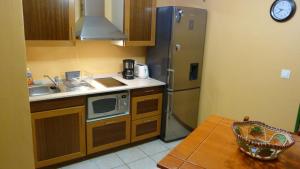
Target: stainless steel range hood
(99, 21)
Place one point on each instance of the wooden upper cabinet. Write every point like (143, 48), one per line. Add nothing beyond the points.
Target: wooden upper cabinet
(58, 135)
(49, 19)
(140, 22)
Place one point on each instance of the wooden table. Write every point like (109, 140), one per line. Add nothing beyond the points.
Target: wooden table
(213, 146)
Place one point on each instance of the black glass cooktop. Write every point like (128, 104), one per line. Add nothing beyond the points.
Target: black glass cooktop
(110, 82)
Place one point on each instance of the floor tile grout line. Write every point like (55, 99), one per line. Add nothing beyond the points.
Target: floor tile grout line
(150, 154)
(119, 159)
(160, 142)
(122, 161)
(170, 147)
(142, 159)
(154, 153)
(93, 162)
(127, 166)
(121, 166)
(98, 167)
(136, 161)
(133, 160)
(138, 147)
(152, 160)
(164, 143)
(158, 153)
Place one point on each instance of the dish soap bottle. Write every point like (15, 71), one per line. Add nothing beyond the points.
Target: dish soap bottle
(29, 77)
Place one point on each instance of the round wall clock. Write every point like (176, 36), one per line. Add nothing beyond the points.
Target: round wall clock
(283, 10)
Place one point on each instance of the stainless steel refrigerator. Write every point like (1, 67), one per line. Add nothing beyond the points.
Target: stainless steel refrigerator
(177, 60)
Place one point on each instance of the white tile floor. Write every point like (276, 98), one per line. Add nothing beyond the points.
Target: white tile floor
(144, 156)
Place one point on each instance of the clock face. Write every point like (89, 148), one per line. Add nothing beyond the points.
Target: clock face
(283, 10)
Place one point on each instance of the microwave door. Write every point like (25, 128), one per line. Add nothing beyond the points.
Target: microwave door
(101, 106)
(104, 106)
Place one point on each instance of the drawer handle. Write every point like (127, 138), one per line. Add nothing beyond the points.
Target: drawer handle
(109, 122)
(147, 121)
(148, 91)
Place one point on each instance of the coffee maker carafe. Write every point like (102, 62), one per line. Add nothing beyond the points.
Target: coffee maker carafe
(128, 69)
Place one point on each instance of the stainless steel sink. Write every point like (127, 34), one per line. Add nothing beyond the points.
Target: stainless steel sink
(43, 90)
(77, 86)
(67, 86)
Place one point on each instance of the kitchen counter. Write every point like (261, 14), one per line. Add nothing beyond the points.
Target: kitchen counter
(213, 145)
(99, 88)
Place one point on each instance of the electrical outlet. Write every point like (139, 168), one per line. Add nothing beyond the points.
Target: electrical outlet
(285, 74)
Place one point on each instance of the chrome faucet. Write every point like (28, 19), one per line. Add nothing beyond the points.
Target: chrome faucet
(54, 81)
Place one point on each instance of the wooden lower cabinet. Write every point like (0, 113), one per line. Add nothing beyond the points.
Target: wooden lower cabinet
(108, 133)
(145, 128)
(58, 135)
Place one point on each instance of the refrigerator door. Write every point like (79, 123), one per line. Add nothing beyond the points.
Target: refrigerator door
(187, 48)
(158, 56)
(182, 113)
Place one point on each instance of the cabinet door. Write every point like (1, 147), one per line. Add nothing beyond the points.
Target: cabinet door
(49, 19)
(146, 106)
(145, 128)
(140, 22)
(108, 133)
(58, 135)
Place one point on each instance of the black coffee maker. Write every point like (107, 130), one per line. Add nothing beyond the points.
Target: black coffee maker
(128, 69)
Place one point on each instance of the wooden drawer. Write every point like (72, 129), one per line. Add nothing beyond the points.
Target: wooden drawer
(145, 128)
(146, 106)
(108, 133)
(57, 104)
(146, 91)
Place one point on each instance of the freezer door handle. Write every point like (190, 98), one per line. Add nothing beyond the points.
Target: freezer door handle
(171, 79)
(170, 105)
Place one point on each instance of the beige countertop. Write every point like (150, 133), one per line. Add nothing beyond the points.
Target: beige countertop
(99, 88)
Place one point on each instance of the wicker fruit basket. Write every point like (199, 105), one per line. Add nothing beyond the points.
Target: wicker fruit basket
(261, 141)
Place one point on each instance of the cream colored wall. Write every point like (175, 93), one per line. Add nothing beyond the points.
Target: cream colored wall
(245, 51)
(15, 123)
(108, 9)
(244, 54)
(96, 57)
(77, 10)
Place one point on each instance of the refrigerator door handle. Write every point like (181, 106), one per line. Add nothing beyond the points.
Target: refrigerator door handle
(178, 47)
(179, 14)
(171, 79)
(170, 105)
